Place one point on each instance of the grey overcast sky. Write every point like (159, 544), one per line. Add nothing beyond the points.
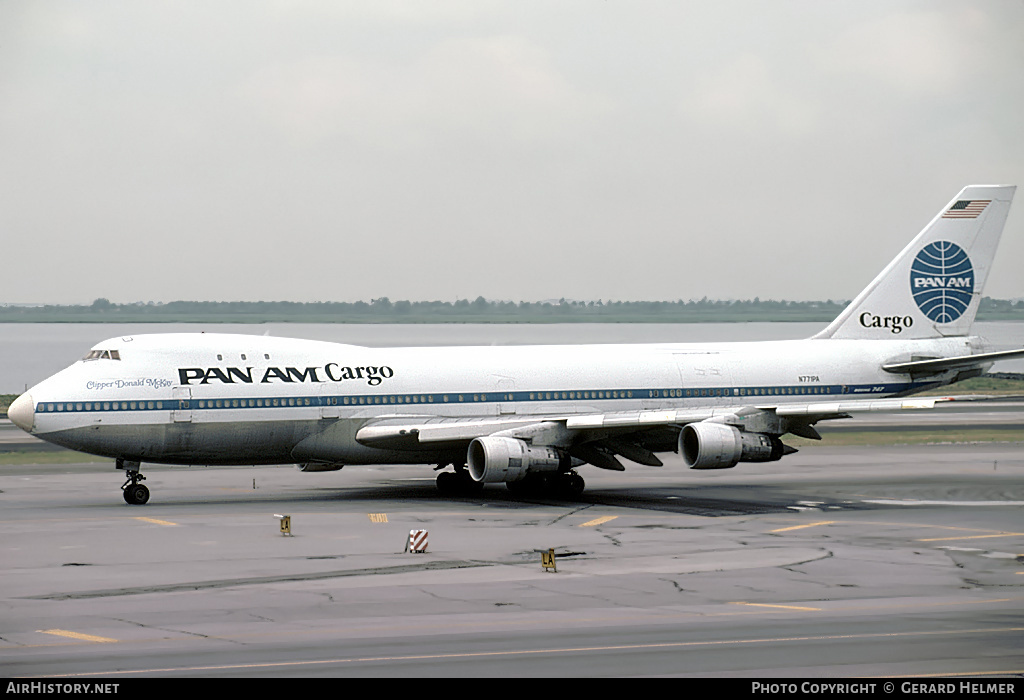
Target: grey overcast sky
(337, 151)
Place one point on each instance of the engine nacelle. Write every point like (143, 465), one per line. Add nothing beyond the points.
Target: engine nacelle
(497, 459)
(319, 466)
(719, 446)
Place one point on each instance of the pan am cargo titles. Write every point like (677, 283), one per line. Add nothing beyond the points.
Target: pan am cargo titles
(331, 372)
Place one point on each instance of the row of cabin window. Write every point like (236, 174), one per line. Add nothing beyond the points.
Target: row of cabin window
(364, 400)
(787, 391)
(555, 395)
(425, 398)
(761, 391)
(104, 406)
(331, 401)
(253, 403)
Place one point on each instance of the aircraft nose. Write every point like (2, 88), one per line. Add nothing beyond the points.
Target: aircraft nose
(23, 412)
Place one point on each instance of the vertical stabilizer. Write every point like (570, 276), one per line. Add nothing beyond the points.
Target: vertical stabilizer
(933, 287)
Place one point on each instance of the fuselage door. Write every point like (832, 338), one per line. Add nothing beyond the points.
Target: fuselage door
(506, 387)
(181, 404)
(329, 400)
(705, 376)
(660, 377)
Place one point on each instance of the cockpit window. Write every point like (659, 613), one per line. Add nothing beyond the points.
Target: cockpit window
(103, 355)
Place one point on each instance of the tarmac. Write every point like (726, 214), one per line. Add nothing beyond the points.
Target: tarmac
(837, 562)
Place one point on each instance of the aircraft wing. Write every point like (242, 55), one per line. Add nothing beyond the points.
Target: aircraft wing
(629, 433)
(815, 411)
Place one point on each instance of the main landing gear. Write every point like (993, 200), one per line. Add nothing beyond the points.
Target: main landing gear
(568, 485)
(457, 483)
(135, 493)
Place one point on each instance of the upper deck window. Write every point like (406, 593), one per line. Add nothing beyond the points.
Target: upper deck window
(103, 355)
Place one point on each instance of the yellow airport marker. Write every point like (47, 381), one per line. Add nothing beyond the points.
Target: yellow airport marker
(155, 521)
(974, 537)
(378, 517)
(77, 635)
(547, 560)
(784, 607)
(286, 524)
(599, 521)
(801, 527)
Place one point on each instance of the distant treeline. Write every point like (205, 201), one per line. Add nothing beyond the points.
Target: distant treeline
(481, 310)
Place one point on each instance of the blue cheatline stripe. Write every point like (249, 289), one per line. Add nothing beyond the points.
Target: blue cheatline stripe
(743, 394)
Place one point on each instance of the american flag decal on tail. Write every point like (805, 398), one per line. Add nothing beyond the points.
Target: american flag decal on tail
(966, 209)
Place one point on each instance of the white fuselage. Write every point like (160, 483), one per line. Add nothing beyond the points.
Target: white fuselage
(235, 399)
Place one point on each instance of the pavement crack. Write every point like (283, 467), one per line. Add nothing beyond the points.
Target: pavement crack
(675, 584)
(827, 554)
(573, 511)
(160, 629)
(257, 580)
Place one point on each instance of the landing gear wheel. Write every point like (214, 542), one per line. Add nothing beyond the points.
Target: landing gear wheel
(447, 483)
(530, 486)
(567, 486)
(517, 488)
(136, 495)
(458, 483)
(571, 485)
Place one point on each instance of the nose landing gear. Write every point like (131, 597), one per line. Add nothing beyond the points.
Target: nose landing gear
(135, 493)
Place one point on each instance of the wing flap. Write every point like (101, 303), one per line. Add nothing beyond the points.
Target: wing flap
(641, 419)
(404, 433)
(861, 406)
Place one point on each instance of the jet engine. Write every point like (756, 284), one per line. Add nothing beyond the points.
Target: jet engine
(497, 459)
(719, 446)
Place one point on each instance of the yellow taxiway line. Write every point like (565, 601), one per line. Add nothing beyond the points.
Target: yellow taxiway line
(77, 635)
(801, 527)
(598, 521)
(768, 605)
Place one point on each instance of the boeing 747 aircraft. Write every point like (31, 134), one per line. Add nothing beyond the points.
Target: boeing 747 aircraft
(529, 417)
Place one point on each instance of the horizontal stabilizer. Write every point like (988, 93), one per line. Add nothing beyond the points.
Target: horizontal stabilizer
(943, 364)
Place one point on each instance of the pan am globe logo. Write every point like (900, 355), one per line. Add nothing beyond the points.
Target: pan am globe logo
(942, 281)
